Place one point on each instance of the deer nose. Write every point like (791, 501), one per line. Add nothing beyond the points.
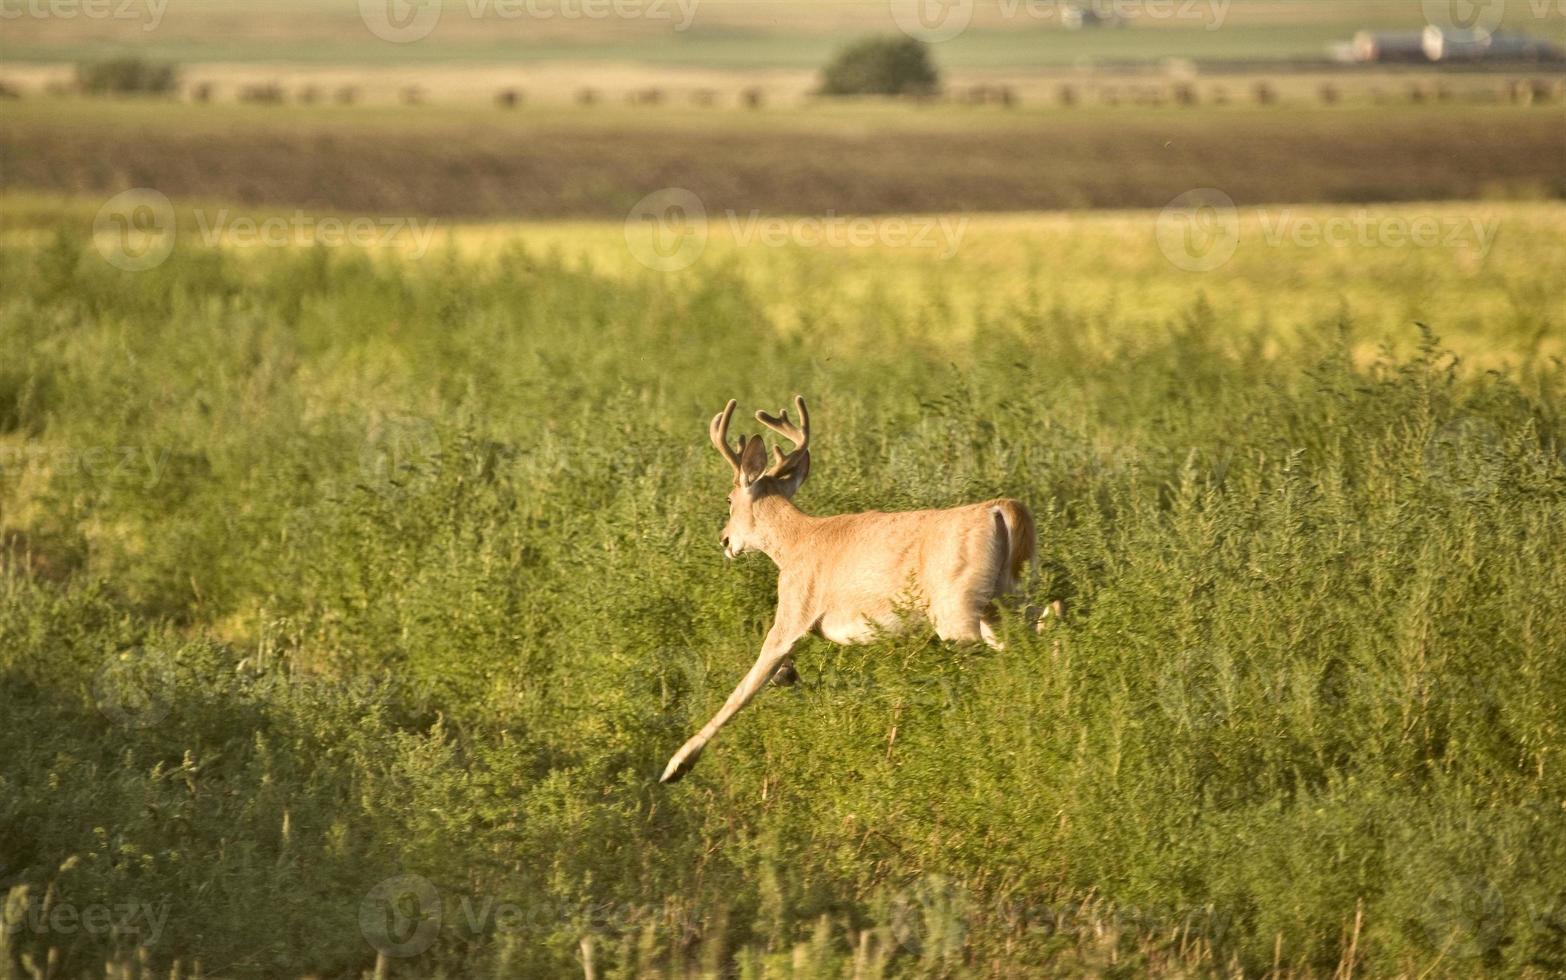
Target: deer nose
(725, 542)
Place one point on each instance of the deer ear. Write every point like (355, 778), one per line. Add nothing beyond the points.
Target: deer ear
(753, 461)
(791, 476)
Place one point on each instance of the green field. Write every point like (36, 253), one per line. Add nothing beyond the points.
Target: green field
(352, 601)
(741, 35)
(354, 591)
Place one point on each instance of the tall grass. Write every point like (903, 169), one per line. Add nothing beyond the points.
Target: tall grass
(321, 571)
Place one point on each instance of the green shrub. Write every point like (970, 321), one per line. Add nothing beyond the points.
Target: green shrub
(127, 76)
(882, 66)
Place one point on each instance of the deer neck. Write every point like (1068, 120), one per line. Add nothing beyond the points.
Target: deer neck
(781, 527)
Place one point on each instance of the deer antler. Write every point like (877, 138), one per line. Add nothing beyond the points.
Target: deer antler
(799, 435)
(719, 430)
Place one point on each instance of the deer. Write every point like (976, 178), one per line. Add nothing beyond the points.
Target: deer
(853, 577)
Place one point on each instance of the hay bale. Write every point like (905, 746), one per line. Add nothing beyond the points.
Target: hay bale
(1533, 91)
(1066, 95)
(1329, 94)
(1264, 93)
(753, 98)
(587, 96)
(347, 95)
(1523, 92)
(1003, 95)
(268, 93)
(508, 98)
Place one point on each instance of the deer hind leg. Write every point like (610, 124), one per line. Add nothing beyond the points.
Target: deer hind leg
(968, 627)
(1003, 582)
(969, 616)
(786, 675)
(962, 620)
(987, 633)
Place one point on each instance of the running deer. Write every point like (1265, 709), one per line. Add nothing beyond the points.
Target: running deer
(852, 576)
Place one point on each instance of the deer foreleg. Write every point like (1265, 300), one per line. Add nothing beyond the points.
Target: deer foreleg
(773, 652)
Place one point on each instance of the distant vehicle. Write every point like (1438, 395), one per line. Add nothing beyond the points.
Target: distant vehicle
(1381, 46)
(1447, 46)
(1076, 18)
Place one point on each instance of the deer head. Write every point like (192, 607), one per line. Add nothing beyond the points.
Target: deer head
(757, 482)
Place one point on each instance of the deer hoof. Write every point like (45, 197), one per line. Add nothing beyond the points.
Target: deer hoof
(678, 767)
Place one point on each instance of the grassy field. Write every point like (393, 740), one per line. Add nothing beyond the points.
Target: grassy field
(740, 35)
(351, 602)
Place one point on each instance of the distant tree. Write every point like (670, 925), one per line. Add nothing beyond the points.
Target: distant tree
(127, 76)
(882, 66)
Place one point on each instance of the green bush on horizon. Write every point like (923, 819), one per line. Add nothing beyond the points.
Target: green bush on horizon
(882, 66)
(127, 76)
